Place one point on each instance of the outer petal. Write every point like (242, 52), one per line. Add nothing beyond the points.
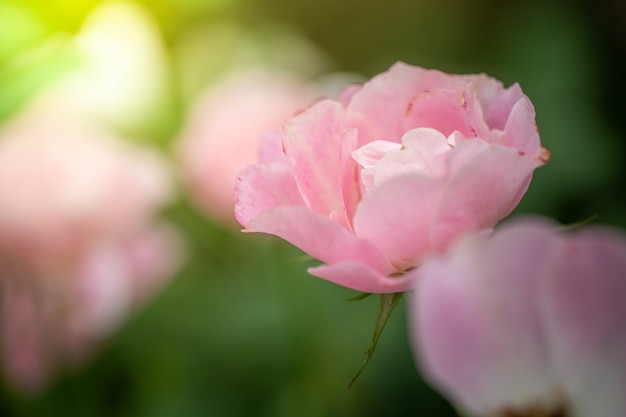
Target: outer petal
(476, 328)
(312, 140)
(485, 183)
(350, 185)
(361, 277)
(585, 314)
(521, 131)
(474, 113)
(262, 187)
(345, 95)
(319, 236)
(397, 216)
(496, 102)
(378, 109)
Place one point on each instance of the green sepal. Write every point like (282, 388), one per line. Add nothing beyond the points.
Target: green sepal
(387, 303)
(576, 225)
(359, 297)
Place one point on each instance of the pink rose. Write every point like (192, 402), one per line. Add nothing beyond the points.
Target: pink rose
(79, 244)
(223, 131)
(392, 171)
(528, 322)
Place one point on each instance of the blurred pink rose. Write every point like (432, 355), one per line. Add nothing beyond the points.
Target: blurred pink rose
(528, 322)
(392, 171)
(79, 247)
(223, 132)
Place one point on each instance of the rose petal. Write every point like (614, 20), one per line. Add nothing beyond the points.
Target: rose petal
(369, 156)
(486, 182)
(361, 277)
(521, 131)
(496, 101)
(585, 315)
(476, 326)
(318, 236)
(443, 110)
(345, 95)
(262, 187)
(427, 142)
(349, 179)
(378, 109)
(311, 142)
(474, 114)
(421, 152)
(397, 216)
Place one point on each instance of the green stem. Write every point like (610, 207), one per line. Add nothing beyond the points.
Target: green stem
(387, 303)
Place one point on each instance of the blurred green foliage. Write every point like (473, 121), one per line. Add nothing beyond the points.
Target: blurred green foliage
(243, 330)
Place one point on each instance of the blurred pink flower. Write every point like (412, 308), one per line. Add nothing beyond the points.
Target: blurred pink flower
(224, 129)
(529, 322)
(79, 247)
(393, 170)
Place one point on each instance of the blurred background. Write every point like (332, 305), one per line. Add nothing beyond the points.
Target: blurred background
(241, 329)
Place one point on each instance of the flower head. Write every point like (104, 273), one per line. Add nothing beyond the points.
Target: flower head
(391, 172)
(79, 243)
